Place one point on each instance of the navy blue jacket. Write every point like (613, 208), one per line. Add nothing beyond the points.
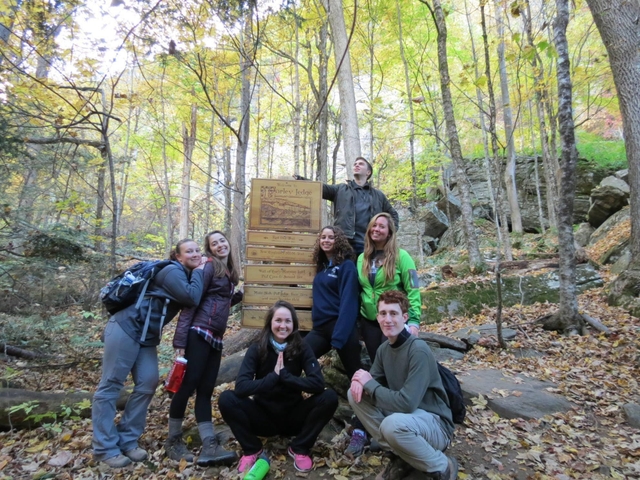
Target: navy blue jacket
(335, 298)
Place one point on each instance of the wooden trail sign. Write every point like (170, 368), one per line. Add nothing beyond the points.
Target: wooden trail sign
(280, 255)
(254, 318)
(289, 205)
(280, 239)
(267, 296)
(279, 274)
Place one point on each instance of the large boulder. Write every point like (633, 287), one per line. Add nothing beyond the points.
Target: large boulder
(435, 222)
(605, 201)
(616, 182)
(410, 235)
(583, 233)
(603, 230)
(450, 206)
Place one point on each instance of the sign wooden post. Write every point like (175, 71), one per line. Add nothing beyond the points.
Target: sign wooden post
(284, 220)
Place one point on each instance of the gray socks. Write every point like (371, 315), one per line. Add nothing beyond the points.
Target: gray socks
(175, 427)
(205, 429)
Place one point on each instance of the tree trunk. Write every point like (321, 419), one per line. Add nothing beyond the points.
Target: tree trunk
(188, 144)
(412, 128)
(108, 156)
(567, 319)
(498, 213)
(617, 22)
(348, 112)
(238, 217)
(510, 168)
(165, 162)
(475, 259)
(541, 94)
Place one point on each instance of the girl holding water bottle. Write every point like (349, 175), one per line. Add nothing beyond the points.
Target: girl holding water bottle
(198, 338)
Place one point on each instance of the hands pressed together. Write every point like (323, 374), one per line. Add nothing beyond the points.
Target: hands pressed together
(279, 363)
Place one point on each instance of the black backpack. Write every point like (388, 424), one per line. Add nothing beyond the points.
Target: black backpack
(454, 392)
(130, 286)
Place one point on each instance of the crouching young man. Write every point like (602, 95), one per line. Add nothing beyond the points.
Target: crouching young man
(401, 400)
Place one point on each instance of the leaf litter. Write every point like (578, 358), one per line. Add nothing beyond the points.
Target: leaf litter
(596, 373)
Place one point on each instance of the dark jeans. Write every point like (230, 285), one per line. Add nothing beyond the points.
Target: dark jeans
(372, 336)
(203, 363)
(249, 420)
(319, 339)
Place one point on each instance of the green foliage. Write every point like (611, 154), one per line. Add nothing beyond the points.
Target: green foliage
(397, 181)
(606, 153)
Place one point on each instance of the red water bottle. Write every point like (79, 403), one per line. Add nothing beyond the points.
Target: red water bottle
(174, 379)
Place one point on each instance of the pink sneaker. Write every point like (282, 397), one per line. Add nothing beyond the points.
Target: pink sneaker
(247, 461)
(303, 463)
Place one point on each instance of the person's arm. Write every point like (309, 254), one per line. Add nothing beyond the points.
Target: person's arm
(238, 294)
(329, 192)
(246, 382)
(186, 315)
(313, 381)
(348, 313)
(185, 290)
(411, 285)
(409, 397)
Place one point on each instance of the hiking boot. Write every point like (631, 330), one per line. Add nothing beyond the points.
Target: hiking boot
(451, 473)
(356, 444)
(303, 463)
(176, 450)
(118, 461)
(396, 469)
(213, 453)
(247, 461)
(136, 454)
(374, 446)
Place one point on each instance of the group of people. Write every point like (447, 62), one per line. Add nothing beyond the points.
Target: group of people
(400, 402)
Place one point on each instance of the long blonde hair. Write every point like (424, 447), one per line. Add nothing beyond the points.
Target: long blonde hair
(390, 249)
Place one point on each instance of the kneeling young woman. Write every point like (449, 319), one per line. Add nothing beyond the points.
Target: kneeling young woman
(271, 373)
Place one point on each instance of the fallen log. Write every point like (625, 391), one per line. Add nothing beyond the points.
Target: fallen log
(444, 341)
(229, 368)
(46, 407)
(18, 352)
(240, 340)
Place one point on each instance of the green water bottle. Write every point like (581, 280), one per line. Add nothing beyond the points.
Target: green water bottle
(259, 469)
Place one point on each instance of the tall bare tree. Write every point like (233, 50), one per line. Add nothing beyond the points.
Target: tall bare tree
(567, 319)
(348, 112)
(188, 144)
(475, 259)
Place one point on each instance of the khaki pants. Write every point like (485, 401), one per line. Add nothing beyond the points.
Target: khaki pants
(417, 437)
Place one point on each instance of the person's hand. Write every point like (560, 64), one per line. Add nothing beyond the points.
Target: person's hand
(279, 363)
(362, 377)
(356, 391)
(179, 352)
(297, 177)
(414, 330)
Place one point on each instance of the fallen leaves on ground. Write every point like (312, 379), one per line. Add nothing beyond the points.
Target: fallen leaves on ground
(598, 374)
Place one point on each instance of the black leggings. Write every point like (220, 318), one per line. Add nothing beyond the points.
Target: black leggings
(203, 363)
(372, 336)
(319, 339)
(248, 420)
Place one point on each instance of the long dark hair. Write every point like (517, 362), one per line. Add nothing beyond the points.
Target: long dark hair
(294, 340)
(219, 267)
(342, 250)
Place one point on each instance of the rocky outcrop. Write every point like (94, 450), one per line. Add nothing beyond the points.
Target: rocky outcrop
(588, 177)
(583, 234)
(605, 201)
